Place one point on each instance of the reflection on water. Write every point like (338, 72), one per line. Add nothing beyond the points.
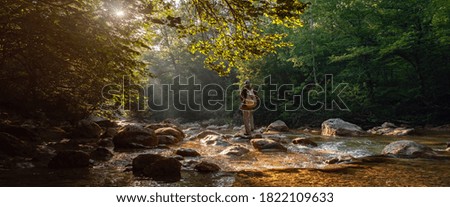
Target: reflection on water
(300, 166)
(389, 172)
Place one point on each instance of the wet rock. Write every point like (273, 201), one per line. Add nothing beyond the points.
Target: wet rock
(340, 159)
(178, 157)
(238, 128)
(407, 148)
(170, 131)
(278, 126)
(167, 139)
(70, 159)
(203, 134)
(13, 146)
(236, 150)
(133, 136)
(87, 129)
(215, 140)
(187, 152)
(157, 167)
(101, 154)
(391, 129)
(267, 145)
(304, 142)
(207, 167)
(339, 127)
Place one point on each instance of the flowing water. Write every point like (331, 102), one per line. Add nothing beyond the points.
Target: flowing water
(299, 166)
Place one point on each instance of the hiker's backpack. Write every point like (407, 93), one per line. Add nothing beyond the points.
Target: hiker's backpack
(251, 99)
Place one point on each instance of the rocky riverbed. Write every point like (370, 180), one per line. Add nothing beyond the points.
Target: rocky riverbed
(106, 153)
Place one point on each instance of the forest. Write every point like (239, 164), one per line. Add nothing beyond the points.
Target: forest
(149, 93)
(57, 55)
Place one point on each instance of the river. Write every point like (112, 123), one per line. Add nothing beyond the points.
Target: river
(299, 166)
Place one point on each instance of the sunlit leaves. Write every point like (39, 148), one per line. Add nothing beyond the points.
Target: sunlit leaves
(231, 31)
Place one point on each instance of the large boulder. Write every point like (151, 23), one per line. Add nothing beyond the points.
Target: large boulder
(339, 127)
(391, 129)
(157, 167)
(207, 167)
(133, 136)
(87, 129)
(235, 150)
(278, 126)
(304, 142)
(407, 148)
(70, 159)
(266, 145)
(167, 132)
(13, 146)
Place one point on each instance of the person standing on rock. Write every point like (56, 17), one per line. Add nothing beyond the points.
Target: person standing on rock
(249, 101)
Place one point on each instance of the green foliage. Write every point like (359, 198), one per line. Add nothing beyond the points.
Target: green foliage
(393, 55)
